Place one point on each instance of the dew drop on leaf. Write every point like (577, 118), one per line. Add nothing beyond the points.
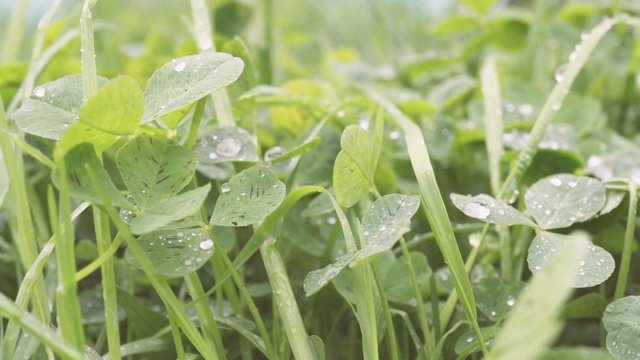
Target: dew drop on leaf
(206, 244)
(559, 74)
(274, 153)
(225, 188)
(39, 91)
(229, 147)
(555, 181)
(476, 210)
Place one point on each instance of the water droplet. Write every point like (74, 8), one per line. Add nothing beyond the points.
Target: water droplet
(180, 66)
(581, 263)
(476, 210)
(382, 228)
(225, 188)
(188, 262)
(525, 109)
(537, 267)
(331, 220)
(470, 339)
(555, 181)
(39, 91)
(207, 44)
(394, 135)
(559, 74)
(366, 233)
(273, 153)
(213, 155)
(364, 124)
(511, 301)
(229, 147)
(206, 244)
(584, 36)
(340, 114)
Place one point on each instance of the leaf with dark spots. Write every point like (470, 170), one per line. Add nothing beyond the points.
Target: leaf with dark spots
(248, 197)
(154, 171)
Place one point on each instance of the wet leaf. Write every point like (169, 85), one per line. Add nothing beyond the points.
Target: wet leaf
(175, 252)
(184, 80)
(176, 208)
(468, 342)
(352, 171)
(489, 209)
(317, 279)
(248, 197)
(588, 306)
(142, 320)
(561, 200)
(494, 298)
(153, 170)
(317, 347)
(621, 319)
(594, 267)
(533, 324)
(575, 353)
(53, 107)
(397, 281)
(80, 184)
(226, 144)
(387, 219)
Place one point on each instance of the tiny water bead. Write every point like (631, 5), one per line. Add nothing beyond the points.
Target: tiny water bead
(206, 244)
(274, 153)
(180, 66)
(477, 210)
(229, 147)
(559, 74)
(225, 188)
(555, 181)
(39, 91)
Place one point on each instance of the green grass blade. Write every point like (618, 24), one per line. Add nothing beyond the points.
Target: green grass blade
(204, 40)
(533, 322)
(625, 261)
(492, 119)
(432, 200)
(37, 329)
(67, 304)
(284, 297)
(554, 101)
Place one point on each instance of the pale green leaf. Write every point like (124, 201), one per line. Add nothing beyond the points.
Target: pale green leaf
(594, 268)
(248, 198)
(175, 252)
(226, 144)
(176, 208)
(53, 107)
(185, 80)
(561, 200)
(621, 319)
(153, 170)
(489, 209)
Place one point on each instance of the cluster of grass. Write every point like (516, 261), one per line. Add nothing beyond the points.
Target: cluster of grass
(292, 184)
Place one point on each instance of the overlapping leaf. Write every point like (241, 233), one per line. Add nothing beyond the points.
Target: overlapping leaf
(175, 252)
(248, 197)
(184, 80)
(489, 209)
(226, 144)
(621, 319)
(561, 200)
(594, 268)
(53, 107)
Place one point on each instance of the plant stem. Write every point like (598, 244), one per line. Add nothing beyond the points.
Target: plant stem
(12, 39)
(89, 72)
(67, 303)
(107, 270)
(207, 322)
(24, 233)
(625, 261)
(428, 337)
(283, 296)
(391, 331)
(245, 294)
(204, 39)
